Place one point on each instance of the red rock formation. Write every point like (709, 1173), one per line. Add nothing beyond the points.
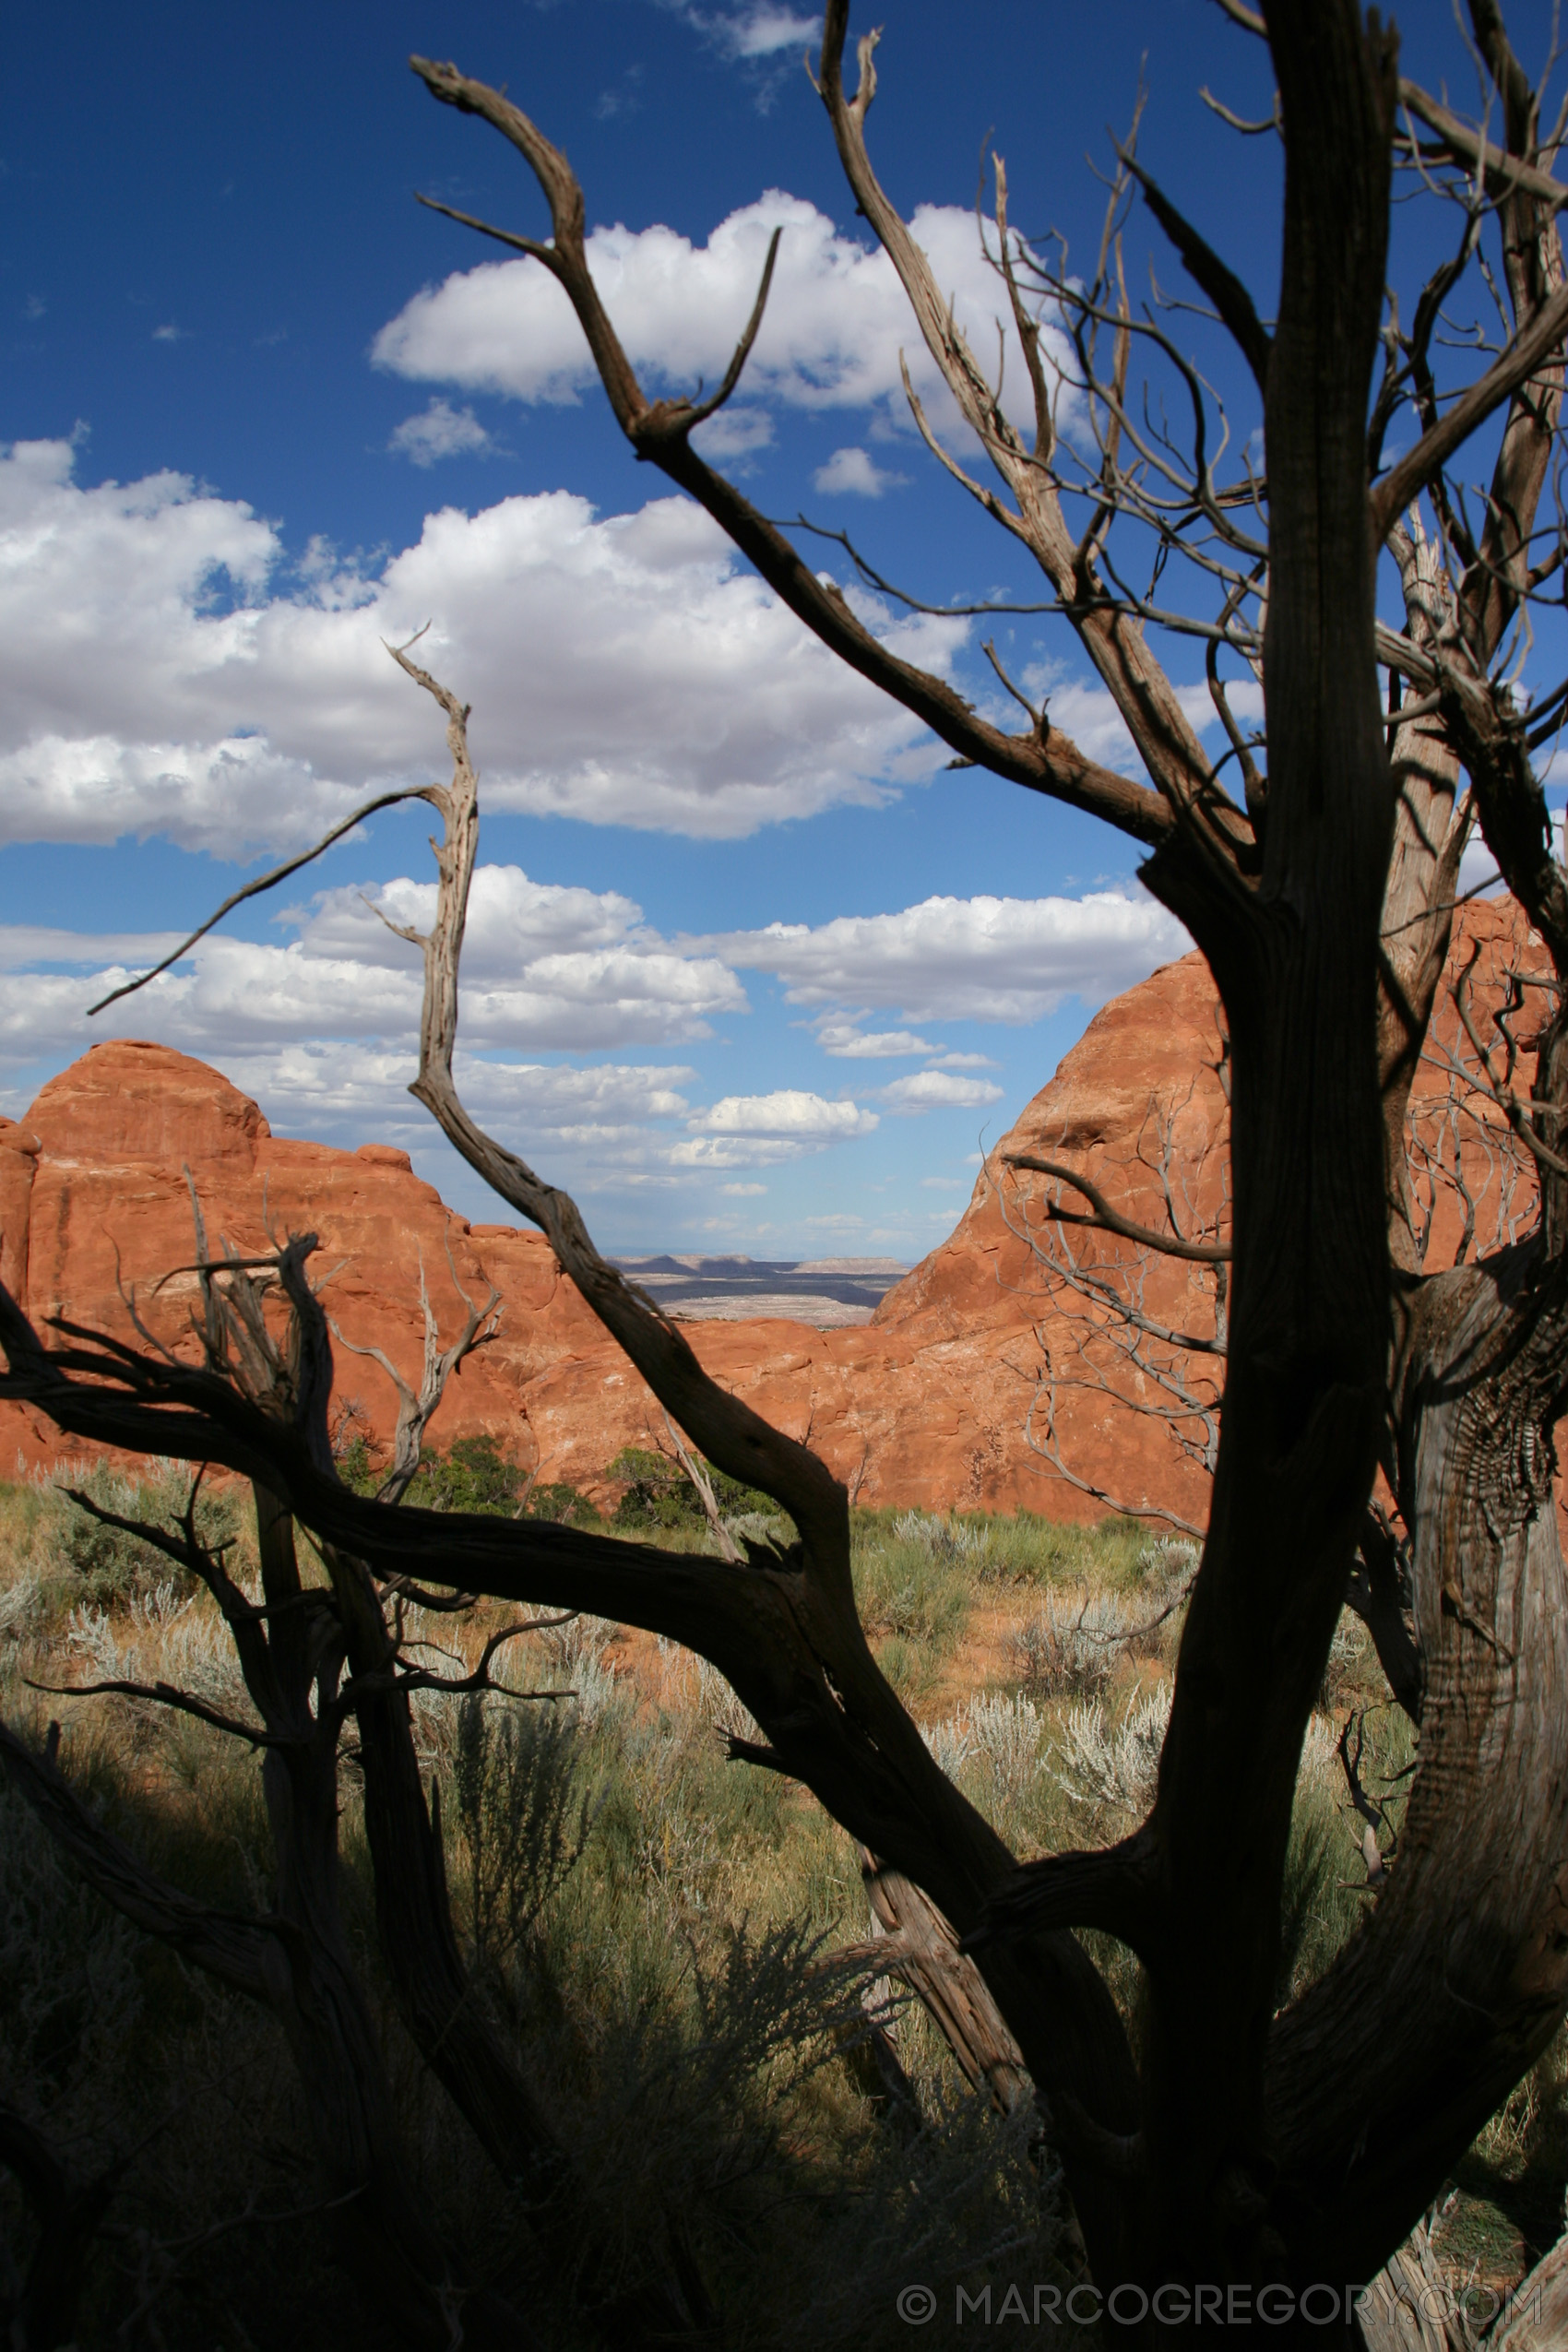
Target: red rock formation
(927, 1404)
(126, 1133)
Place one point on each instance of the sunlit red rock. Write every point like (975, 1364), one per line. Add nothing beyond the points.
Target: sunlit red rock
(943, 1401)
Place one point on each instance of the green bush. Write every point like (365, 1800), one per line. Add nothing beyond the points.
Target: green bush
(661, 1496)
(474, 1476)
(105, 1564)
(557, 1501)
(358, 1468)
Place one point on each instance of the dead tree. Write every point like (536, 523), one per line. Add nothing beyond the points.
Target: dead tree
(316, 1659)
(1235, 2146)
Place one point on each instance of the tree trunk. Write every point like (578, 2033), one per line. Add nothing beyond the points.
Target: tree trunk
(1458, 1980)
(1296, 964)
(617, 2283)
(384, 2235)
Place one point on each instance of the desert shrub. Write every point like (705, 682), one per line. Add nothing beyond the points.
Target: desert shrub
(1324, 1898)
(579, 1664)
(104, 1565)
(361, 1459)
(107, 1564)
(772, 1530)
(648, 1920)
(660, 1498)
(909, 1667)
(1310, 1914)
(1514, 2172)
(1168, 1560)
(1070, 1647)
(21, 1605)
(659, 1495)
(1006, 1733)
(1351, 1673)
(191, 1642)
(473, 1475)
(359, 1465)
(721, 1706)
(950, 1741)
(523, 1818)
(1016, 1548)
(652, 1922)
(558, 1500)
(966, 1543)
(1001, 1736)
(1113, 1766)
(914, 1582)
(1029, 1549)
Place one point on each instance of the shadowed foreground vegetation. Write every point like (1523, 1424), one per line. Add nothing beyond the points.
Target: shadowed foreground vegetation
(651, 1925)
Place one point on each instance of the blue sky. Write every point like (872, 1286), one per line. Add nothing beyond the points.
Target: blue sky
(749, 969)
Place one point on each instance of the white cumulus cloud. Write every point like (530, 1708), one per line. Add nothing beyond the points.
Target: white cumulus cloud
(786, 1112)
(611, 1123)
(332, 1083)
(766, 1130)
(545, 967)
(544, 964)
(1090, 716)
(441, 431)
(836, 322)
(937, 1090)
(854, 473)
(991, 959)
(164, 670)
(759, 31)
(847, 1042)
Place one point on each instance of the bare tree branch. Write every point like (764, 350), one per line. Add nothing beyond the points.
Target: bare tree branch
(415, 1412)
(1224, 289)
(660, 430)
(1111, 1889)
(1532, 349)
(1466, 145)
(255, 889)
(1110, 1220)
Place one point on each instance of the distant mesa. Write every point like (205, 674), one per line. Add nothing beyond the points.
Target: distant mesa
(894, 1268)
(827, 1292)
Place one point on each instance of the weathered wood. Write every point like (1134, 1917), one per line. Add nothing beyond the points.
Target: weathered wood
(1535, 2318)
(1404, 2308)
(919, 1946)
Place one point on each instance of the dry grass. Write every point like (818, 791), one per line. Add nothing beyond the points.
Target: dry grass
(641, 1913)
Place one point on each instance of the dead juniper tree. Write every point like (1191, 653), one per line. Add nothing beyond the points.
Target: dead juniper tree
(320, 1659)
(1316, 868)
